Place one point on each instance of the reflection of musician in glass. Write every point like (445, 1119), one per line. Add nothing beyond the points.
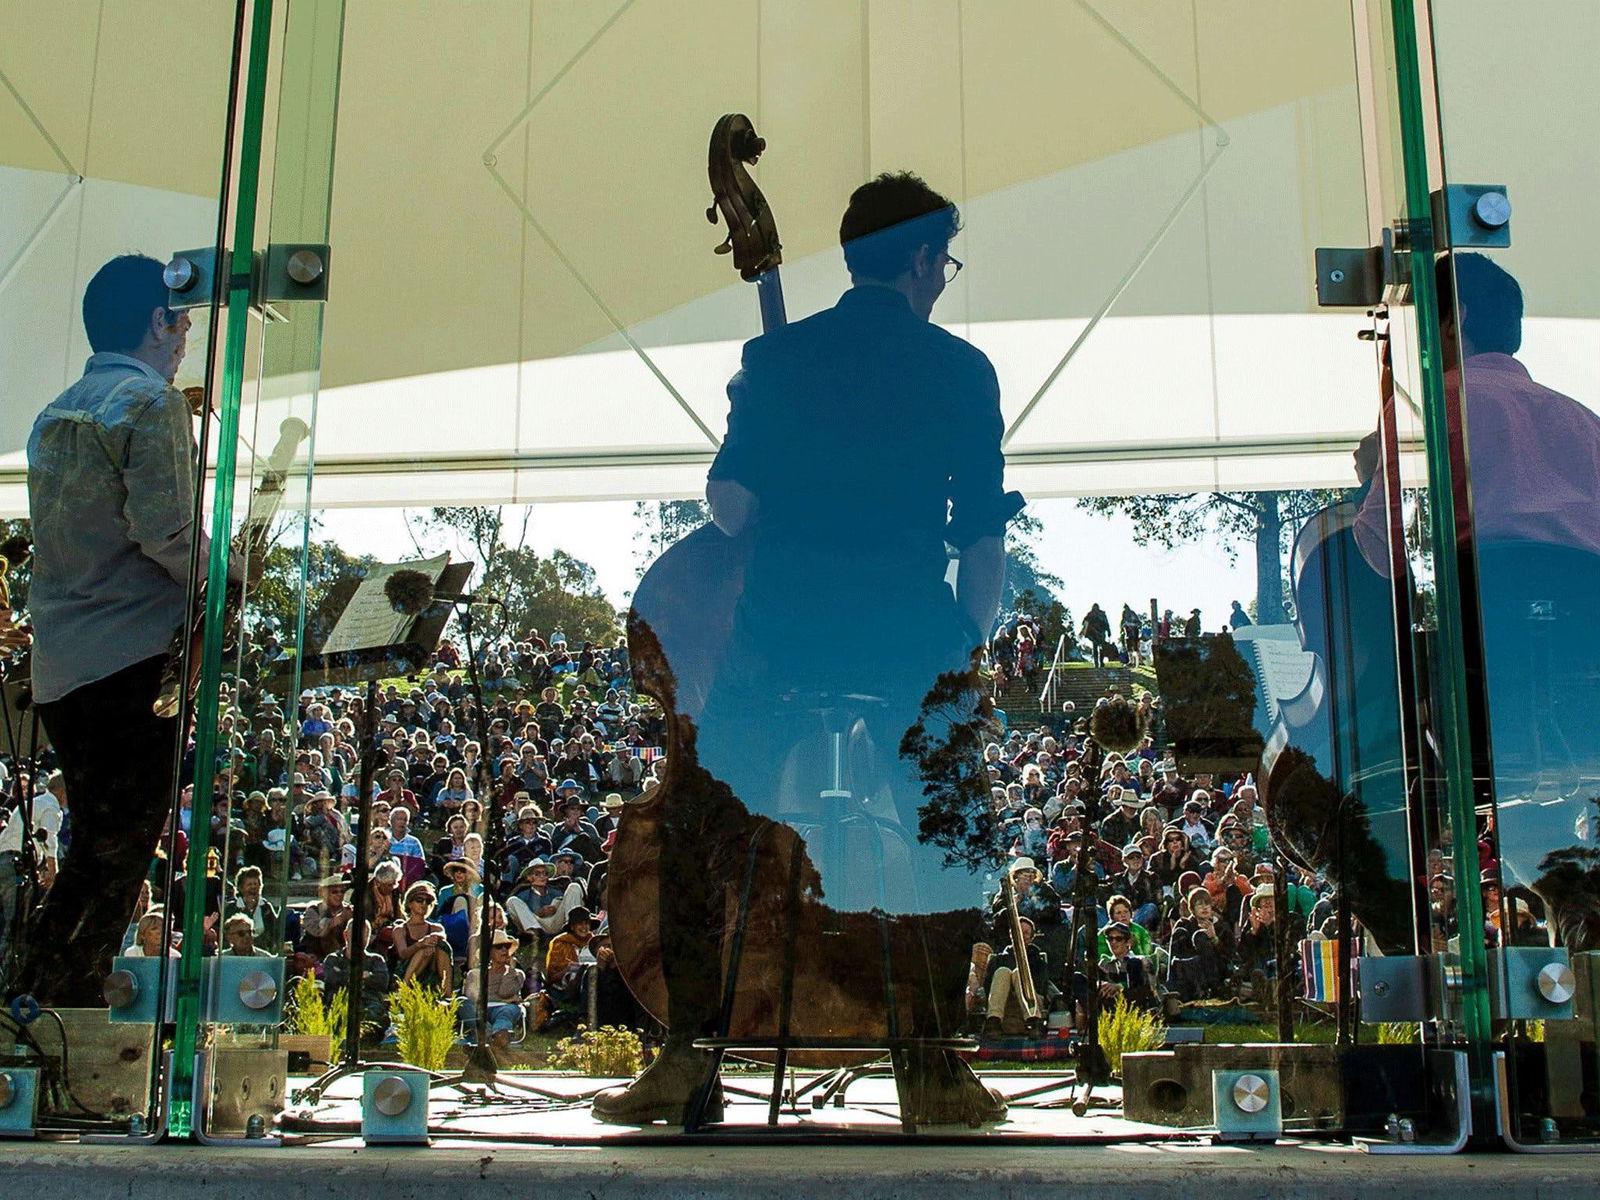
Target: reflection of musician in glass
(111, 478)
(1534, 457)
(861, 441)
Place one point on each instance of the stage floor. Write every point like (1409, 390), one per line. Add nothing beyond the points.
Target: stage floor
(554, 1109)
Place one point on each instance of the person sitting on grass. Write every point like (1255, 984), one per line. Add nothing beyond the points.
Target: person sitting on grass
(419, 943)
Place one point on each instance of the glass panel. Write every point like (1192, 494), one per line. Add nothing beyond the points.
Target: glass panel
(98, 190)
(526, 336)
(1518, 343)
(282, 815)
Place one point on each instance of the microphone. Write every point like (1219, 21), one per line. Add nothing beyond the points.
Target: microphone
(411, 592)
(480, 599)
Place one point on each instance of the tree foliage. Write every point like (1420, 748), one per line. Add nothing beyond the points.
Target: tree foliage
(1265, 521)
(660, 523)
(559, 592)
(18, 577)
(275, 600)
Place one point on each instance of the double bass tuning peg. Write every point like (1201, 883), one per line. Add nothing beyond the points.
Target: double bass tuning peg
(711, 212)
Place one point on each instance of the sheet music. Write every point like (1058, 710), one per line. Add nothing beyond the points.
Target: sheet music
(369, 619)
(1282, 668)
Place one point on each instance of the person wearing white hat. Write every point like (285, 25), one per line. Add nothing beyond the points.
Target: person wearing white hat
(506, 982)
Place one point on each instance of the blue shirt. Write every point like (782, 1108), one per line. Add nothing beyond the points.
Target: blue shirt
(111, 477)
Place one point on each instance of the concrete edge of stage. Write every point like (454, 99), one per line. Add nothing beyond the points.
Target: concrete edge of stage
(47, 1171)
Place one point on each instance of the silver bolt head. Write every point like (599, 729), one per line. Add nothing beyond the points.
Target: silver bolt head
(305, 267)
(1251, 1093)
(1556, 983)
(120, 989)
(1492, 210)
(257, 990)
(392, 1096)
(180, 274)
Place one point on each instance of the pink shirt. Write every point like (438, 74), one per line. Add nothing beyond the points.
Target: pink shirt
(1534, 461)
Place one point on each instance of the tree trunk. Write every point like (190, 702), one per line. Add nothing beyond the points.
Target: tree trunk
(1269, 560)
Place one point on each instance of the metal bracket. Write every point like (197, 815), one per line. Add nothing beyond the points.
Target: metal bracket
(1476, 215)
(1531, 983)
(292, 271)
(1364, 278)
(285, 271)
(191, 279)
(1394, 988)
(1453, 1084)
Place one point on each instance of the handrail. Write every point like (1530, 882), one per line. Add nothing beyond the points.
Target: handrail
(1047, 697)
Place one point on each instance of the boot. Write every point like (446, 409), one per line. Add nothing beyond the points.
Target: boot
(665, 1091)
(941, 1089)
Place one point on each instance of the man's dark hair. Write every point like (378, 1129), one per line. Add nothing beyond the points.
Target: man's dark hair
(118, 302)
(1492, 298)
(889, 219)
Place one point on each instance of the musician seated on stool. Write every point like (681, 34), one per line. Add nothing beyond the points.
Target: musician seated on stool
(1006, 1006)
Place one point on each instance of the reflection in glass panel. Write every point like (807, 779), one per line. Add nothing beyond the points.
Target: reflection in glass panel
(105, 380)
(1519, 358)
(860, 717)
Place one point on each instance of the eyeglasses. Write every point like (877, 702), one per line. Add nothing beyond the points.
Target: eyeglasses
(952, 268)
(1116, 938)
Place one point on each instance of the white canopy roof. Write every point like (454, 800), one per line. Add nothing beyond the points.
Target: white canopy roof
(524, 305)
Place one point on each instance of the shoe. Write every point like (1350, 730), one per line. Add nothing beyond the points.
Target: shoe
(992, 1027)
(665, 1092)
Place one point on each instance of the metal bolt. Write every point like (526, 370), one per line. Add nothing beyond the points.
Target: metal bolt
(180, 274)
(1492, 210)
(1408, 1130)
(257, 990)
(392, 1096)
(1381, 988)
(1251, 1093)
(255, 1127)
(1556, 983)
(1549, 1131)
(120, 989)
(305, 267)
(136, 1125)
(1336, 275)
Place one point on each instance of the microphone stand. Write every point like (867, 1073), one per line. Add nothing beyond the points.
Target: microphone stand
(1093, 1066)
(481, 1065)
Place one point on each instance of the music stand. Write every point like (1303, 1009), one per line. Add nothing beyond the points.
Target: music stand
(368, 664)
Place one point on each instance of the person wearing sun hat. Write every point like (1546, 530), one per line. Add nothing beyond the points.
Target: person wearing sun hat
(574, 832)
(610, 814)
(568, 958)
(540, 902)
(527, 843)
(506, 982)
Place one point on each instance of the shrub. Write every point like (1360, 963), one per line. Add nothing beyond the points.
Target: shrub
(309, 1015)
(1398, 1033)
(1126, 1029)
(424, 1024)
(609, 1052)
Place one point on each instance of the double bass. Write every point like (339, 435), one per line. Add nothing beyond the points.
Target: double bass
(786, 954)
(1333, 774)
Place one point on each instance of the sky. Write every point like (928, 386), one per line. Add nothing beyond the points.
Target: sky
(1095, 557)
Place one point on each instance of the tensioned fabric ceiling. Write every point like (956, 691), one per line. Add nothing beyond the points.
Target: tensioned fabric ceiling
(523, 300)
